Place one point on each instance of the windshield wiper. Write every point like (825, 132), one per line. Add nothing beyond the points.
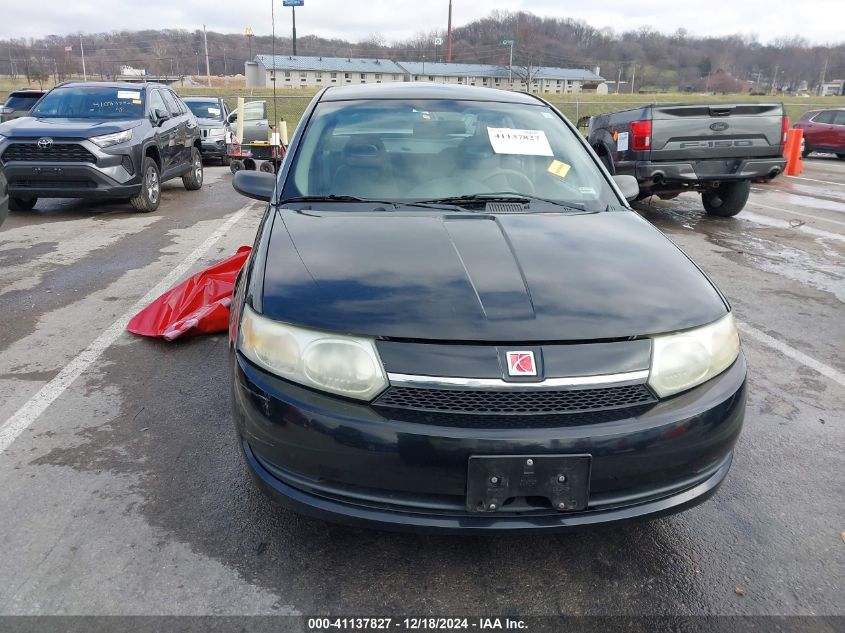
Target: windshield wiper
(395, 204)
(503, 196)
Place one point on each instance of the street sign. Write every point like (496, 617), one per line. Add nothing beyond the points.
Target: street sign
(438, 41)
(508, 42)
(68, 49)
(293, 3)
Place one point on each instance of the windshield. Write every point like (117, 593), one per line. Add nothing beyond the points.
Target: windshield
(206, 109)
(91, 102)
(433, 149)
(21, 102)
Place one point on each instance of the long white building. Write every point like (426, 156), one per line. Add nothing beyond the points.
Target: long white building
(310, 72)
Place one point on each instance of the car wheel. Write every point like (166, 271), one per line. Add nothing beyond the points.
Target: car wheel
(22, 204)
(236, 165)
(806, 151)
(193, 178)
(840, 156)
(148, 199)
(727, 199)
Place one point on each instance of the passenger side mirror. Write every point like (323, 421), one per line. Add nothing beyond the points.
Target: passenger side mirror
(628, 185)
(160, 116)
(258, 185)
(233, 117)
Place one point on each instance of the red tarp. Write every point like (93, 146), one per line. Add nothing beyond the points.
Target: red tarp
(199, 305)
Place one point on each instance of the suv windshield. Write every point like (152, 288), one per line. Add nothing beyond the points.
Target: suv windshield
(22, 101)
(91, 102)
(436, 149)
(205, 109)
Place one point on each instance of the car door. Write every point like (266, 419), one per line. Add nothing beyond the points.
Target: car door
(182, 154)
(256, 127)
(166, 132)
(819, 130)
(838, 134)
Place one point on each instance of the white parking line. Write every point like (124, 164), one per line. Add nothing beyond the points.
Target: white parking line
(824, 182)
(37, 404)
(825, 370)
(803, 215)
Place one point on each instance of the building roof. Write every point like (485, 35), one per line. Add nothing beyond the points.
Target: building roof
(331, 64)
(424, 90)
(491, 70)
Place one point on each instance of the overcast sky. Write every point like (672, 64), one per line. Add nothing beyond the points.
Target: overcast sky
(820, 21)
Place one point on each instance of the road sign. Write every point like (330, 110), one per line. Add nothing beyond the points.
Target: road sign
(438, 41)
(508, 42)
(68, 49)
(293, 3)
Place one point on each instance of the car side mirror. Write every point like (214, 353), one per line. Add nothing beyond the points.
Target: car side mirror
(160, 116)
(233, 117)
(258, 185)
(628, 185)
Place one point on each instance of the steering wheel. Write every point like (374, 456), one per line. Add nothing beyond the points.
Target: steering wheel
(522, 178)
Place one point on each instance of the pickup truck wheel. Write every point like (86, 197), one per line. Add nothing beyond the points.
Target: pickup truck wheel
(148, 199)
(193, 178)
(840, 156)
(22, 204)
(727, 199)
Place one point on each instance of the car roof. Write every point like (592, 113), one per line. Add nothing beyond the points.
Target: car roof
(425, 90)
(111, 84)
(199, 99)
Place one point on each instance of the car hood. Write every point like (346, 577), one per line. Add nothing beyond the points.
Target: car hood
(28, 127)
(523, 277)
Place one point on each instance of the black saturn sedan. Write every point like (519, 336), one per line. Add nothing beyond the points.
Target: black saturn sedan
(452, 320)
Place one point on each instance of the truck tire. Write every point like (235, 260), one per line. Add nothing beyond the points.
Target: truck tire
(840, 156)
(727, 199)
(22, 204)
(193, 178)
(148, 199)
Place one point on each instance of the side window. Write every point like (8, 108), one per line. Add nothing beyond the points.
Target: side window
(824, 117)
(254, 111)
(171, 102)
(183, 109)
(156, 102)
(839, 119)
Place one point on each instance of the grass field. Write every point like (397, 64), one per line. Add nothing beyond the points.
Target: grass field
(290, 104)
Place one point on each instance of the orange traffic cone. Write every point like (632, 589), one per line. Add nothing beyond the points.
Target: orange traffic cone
(792, 152)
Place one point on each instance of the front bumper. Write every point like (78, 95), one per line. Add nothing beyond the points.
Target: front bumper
(709, 170)
(213, 148)
(348, 462)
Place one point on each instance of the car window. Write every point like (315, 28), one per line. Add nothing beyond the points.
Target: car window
(254, 111)
(206, 109)
(839, 118)
(183, 109)
(824, 117)
(156, 102)
(21, 102)
(403, 151)
(171, 102)
(92, 102)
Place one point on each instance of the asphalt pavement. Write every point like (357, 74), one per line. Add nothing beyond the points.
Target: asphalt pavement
(123, 492)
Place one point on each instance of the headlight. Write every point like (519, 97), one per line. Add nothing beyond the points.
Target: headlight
(345, 365)
(107, 140)
(216, 132)
(682, 361)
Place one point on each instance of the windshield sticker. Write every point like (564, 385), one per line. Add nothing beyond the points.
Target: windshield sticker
(587, 191)
(128, 94)
(559, 168)
(137, 101)
(622, 142)
(214, 111)
(523, 142)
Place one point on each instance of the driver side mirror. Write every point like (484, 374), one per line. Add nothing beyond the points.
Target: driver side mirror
(160, 116)
(258, 185)
(628, 185)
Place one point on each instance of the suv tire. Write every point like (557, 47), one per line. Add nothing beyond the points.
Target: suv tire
(22, 204)
(727, 199)
(148, 199)
(193, 178)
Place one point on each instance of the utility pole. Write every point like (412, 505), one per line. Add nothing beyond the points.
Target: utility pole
(293, 19)
(449, 36)
(207, 68)
(774, 80)
(510, 43)
(224, 61)
(824, 72)
(250, 34)
(82, 50)
(619, 79)
(633, 77)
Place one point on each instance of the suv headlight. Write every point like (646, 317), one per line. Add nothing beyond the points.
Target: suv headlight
(686, 359)
(216, 132)
(345, 365)
(107, 140)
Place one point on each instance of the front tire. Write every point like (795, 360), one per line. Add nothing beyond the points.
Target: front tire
(22, 204)
(193, 178)
(148, 199)
(727, 199)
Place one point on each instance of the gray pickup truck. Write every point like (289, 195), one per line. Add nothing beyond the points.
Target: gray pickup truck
(715, 149)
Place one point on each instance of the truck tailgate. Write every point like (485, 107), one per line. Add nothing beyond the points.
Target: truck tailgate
(695, 132)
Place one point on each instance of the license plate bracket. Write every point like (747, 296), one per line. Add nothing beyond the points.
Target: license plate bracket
(561, 479)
